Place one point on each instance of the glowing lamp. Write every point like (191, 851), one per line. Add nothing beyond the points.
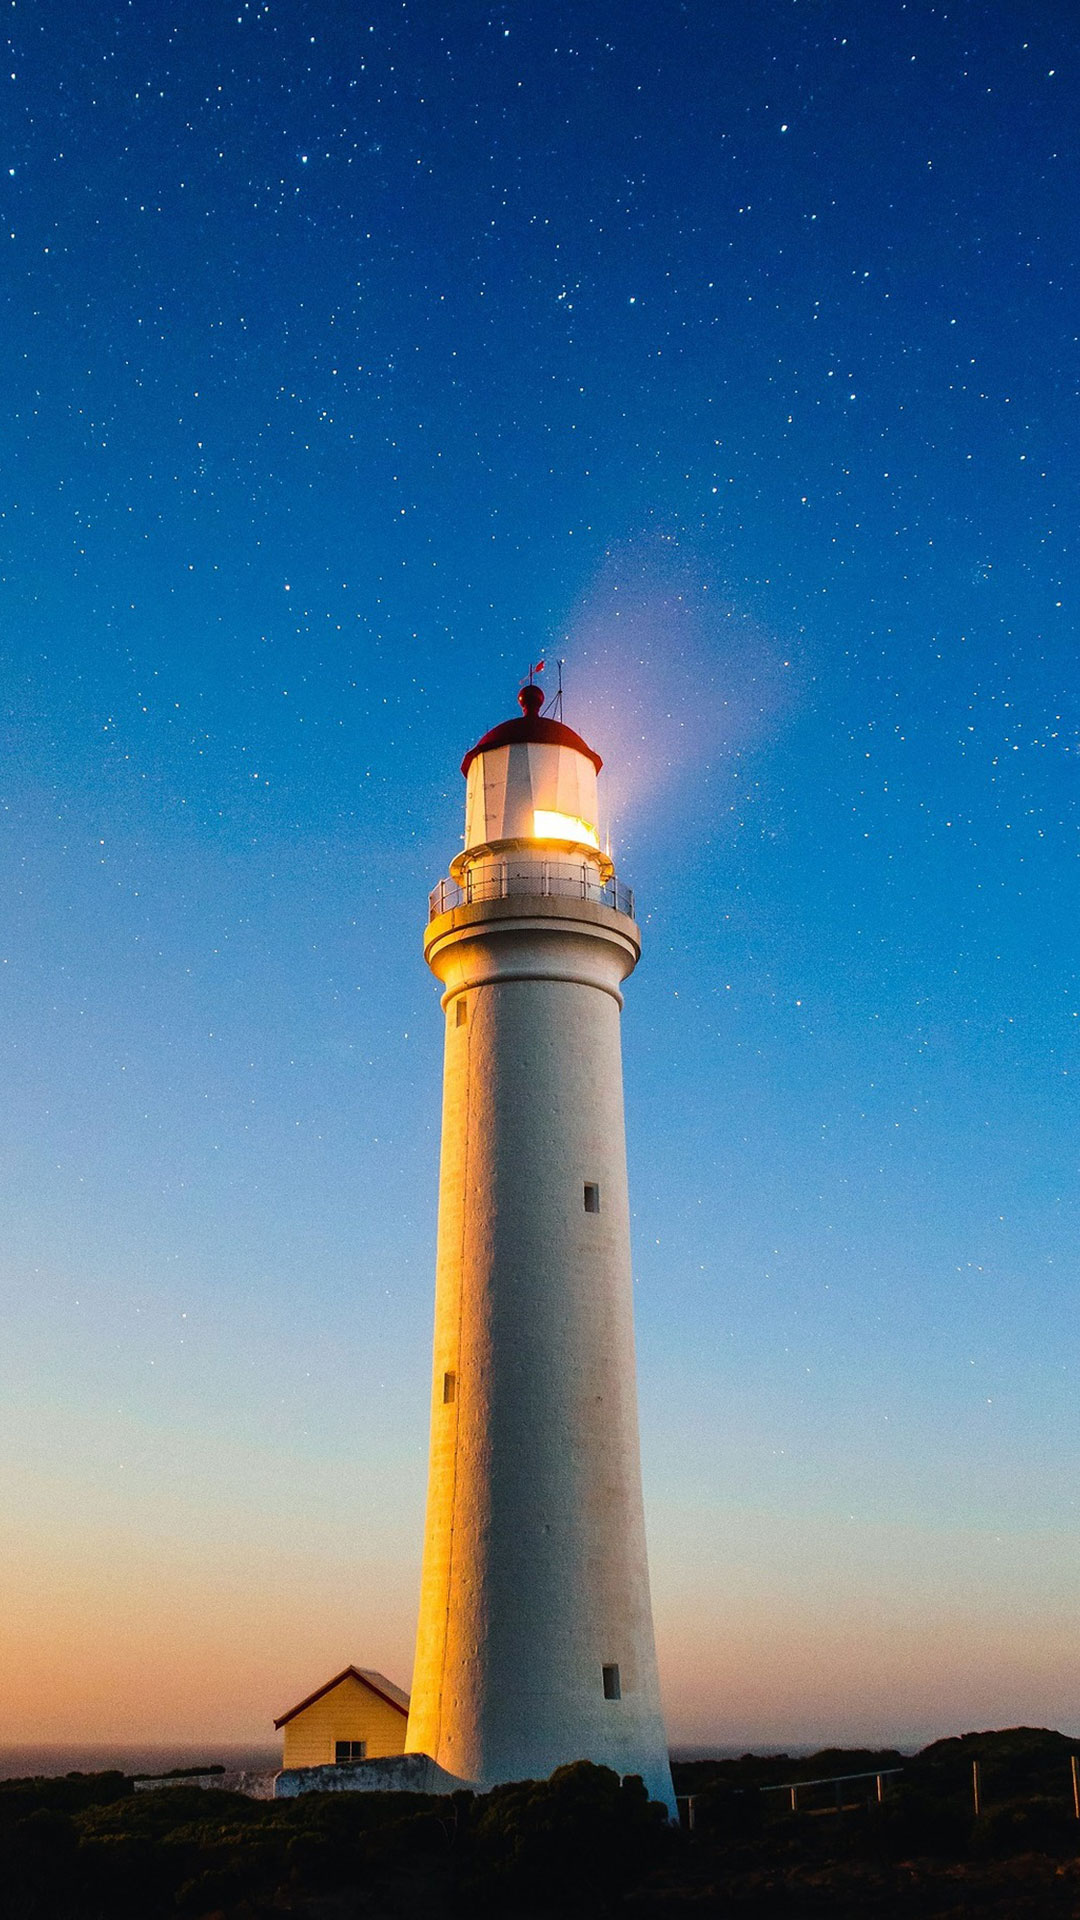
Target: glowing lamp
(563, 826)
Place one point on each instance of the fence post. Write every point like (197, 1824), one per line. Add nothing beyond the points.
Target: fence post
(1076, 1784)
(794, 1799)
(880, 1789)
(975, 1788)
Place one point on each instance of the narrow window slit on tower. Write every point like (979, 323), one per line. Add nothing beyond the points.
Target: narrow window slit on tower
(612, 1688)
(462, 1009)
(592, 1197)
(449, 1388)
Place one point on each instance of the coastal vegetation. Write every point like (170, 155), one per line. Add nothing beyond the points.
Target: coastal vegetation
(87, 1847)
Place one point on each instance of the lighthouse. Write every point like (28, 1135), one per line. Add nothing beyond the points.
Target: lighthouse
(535, 1636)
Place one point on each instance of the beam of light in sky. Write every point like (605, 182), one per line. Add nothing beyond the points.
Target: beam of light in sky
(670, 679)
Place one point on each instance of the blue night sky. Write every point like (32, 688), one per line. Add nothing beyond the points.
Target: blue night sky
(353, 358)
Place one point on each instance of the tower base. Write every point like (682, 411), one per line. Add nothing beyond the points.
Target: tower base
(405, 1773)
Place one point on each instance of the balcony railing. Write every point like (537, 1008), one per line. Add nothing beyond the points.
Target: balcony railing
(552, 879)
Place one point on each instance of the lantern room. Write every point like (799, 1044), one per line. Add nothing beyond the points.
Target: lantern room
(531, 790)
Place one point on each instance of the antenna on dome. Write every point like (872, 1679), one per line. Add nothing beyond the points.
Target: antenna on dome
(553, 710)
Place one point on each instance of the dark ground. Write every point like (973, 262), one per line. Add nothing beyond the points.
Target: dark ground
(85, 1847)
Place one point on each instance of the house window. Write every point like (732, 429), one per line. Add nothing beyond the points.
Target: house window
(348, 1751)
(449, 1388)
(462, 1009)
(612, 1689)
(592, 1197)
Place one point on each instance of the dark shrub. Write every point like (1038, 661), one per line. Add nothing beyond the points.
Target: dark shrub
(320, 1860)
(578, 1839)
(39, 1865)
(154, 1815)
(69, 1794)
(1037, 1825)
(209, 1892)
(912, 1822)
(728, 1814)
(127, 1877)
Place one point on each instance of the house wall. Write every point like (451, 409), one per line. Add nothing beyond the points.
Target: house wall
(349, 1711)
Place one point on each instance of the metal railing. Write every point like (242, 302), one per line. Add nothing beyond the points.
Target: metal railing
(552, 879)
(837, 1781)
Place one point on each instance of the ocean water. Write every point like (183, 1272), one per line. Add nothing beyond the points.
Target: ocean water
(793, 1752)
(24, 1762)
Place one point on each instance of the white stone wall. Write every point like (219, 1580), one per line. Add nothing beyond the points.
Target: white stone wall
(396, 1773)
(257, 1786)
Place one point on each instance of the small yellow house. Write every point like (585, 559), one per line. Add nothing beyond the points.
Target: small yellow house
(358, 1715)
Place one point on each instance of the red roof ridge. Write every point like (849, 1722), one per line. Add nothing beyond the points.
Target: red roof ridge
(376, 1682)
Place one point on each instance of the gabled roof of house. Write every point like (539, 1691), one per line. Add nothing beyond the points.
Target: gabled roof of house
(378, 1683)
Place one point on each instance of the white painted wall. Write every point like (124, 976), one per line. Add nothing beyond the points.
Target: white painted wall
(535, 1571)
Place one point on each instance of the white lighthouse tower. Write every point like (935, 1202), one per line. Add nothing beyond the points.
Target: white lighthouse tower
(535, 1638)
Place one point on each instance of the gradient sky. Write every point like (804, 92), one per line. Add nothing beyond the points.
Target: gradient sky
(353, 357)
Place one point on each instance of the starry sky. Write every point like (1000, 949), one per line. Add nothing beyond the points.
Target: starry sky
(354, 357)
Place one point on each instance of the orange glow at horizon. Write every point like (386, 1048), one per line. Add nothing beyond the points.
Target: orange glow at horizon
(151, 1637)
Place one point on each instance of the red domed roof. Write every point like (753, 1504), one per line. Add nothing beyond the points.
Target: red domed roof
(531, 728)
